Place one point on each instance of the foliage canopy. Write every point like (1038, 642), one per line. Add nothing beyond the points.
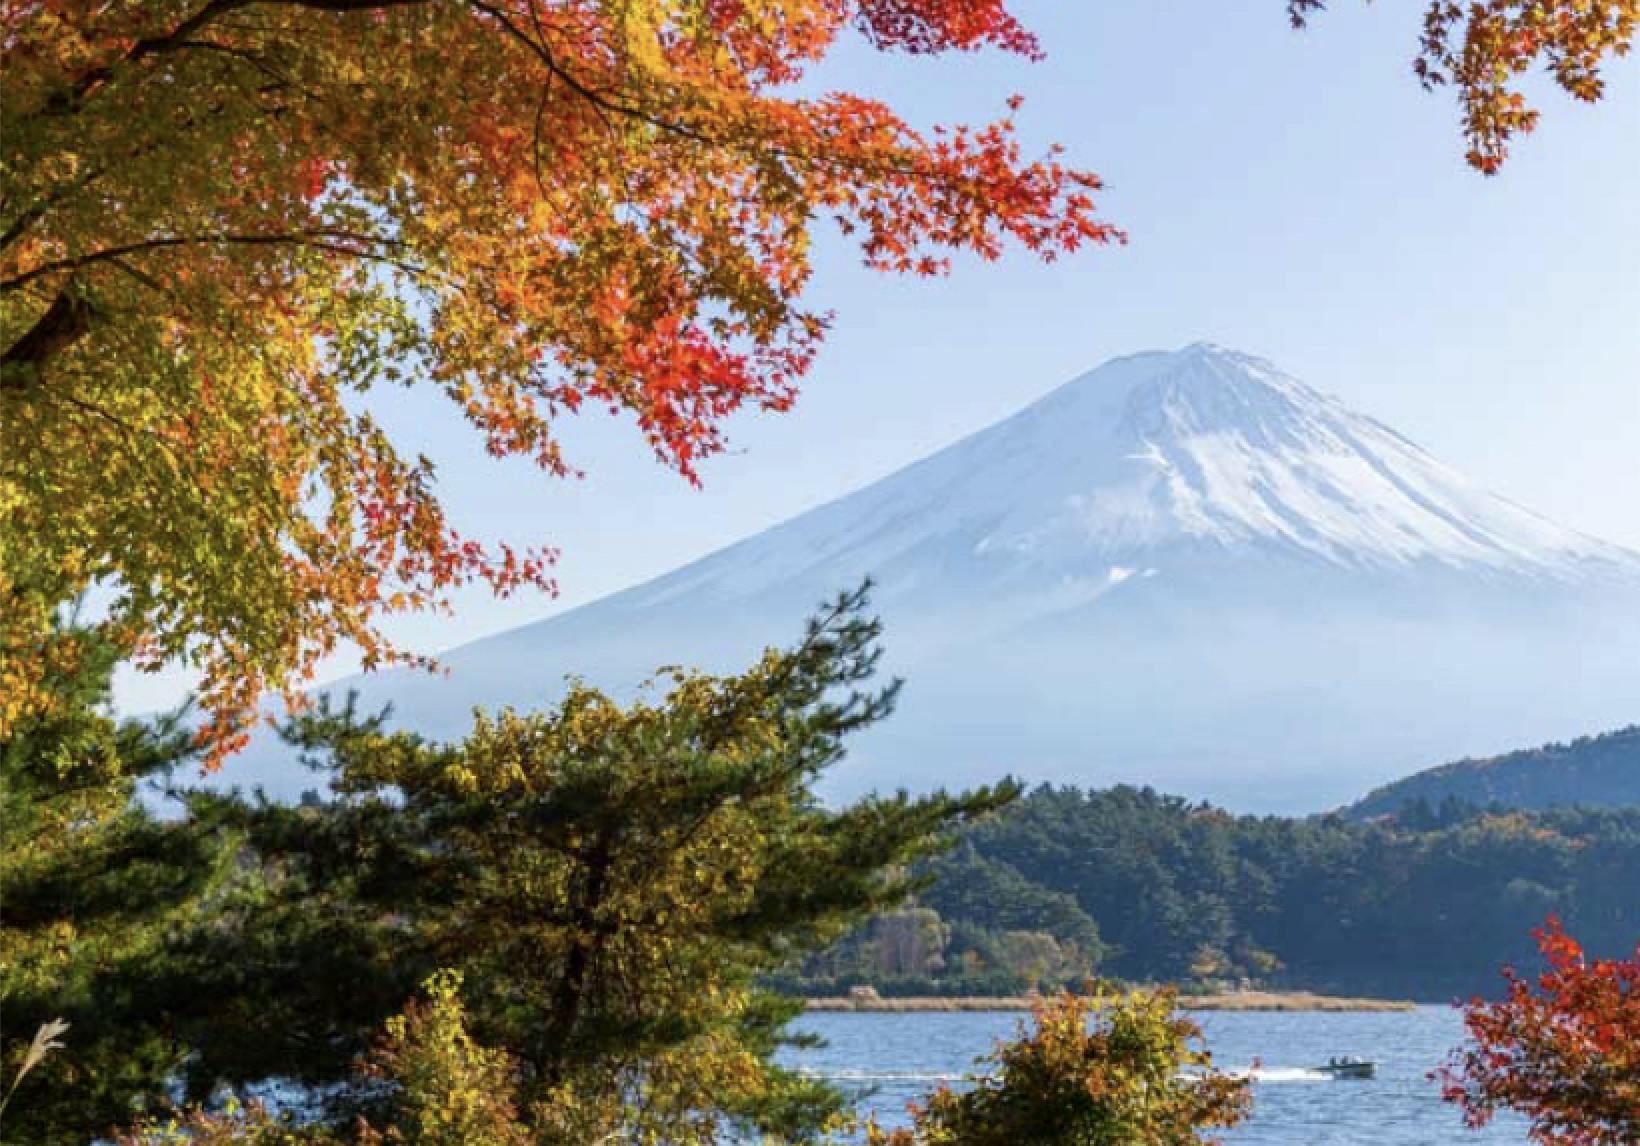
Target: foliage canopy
(224, 222)
(1145, 887)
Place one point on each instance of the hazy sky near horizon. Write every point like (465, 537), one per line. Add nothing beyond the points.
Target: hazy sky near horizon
(1293, 195)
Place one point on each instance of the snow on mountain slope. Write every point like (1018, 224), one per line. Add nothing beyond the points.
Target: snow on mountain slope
(1149, 456)
(1183, 567)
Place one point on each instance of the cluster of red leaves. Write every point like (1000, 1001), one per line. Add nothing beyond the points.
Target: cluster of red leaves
(942, 25)
(1563, 1050)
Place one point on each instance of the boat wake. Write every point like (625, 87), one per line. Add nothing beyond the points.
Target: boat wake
(1282, 1074)
(1260, 1074)
(880, 1076)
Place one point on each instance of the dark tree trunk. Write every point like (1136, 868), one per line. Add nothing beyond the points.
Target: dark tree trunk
(64, 323)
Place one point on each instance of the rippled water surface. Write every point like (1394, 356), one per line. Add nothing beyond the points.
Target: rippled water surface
(897, 1057)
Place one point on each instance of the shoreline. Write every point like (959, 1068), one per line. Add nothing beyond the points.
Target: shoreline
(1274, 1001)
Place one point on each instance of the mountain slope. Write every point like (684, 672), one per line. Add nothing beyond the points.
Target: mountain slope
(1182, 568)
(1594, 771)
(1204, 449)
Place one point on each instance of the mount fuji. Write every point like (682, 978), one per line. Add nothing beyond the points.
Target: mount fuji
(1182, 569)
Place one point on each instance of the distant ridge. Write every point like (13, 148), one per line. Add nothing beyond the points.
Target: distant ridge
(1594, 771)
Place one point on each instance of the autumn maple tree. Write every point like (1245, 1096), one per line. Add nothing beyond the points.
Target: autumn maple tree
(1563, 1050)
(225, 222)
(1483, 49)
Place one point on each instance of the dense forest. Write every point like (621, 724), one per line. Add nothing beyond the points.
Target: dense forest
(1594, 771)
(1133, 884)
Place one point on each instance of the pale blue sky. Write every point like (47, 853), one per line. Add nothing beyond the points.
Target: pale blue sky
(1297, 196)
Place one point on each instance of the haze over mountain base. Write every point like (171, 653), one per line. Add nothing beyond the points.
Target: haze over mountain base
(1187, 570)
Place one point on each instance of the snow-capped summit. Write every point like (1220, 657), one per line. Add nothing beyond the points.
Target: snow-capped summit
(1186, 568)
(1225, 447)
(1164, 457)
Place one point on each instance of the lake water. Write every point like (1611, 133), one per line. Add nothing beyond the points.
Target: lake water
(898, 1057)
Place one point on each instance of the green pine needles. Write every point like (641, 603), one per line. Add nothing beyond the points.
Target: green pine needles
(606, 883)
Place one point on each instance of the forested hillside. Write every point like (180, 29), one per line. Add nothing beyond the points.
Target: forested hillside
(1142, 886)
(1599, 771)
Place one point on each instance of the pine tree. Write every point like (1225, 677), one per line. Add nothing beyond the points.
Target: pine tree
(96, 892)
(611, 880)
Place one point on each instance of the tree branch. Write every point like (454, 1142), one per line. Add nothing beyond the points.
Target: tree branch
(334, 240)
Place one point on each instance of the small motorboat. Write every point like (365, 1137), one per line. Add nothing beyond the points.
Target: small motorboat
(1349, 1067)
